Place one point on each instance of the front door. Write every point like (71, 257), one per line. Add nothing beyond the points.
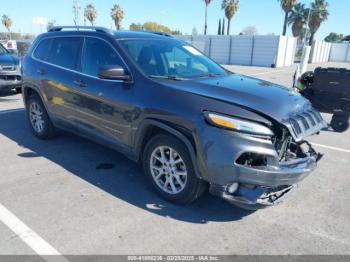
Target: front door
(103, 106)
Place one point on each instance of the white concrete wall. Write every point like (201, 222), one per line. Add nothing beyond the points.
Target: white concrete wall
(265, 52)
(220, 49)
(246, 50)
(320, 52)
(340, 52)
(241, 50)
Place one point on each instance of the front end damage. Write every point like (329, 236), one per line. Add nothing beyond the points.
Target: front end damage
(265, 180)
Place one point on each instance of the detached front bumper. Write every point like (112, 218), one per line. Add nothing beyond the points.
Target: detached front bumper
(265, 186)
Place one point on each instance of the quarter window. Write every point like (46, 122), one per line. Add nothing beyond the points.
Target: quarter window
(65, 52)
(42, 51)
(98, 53)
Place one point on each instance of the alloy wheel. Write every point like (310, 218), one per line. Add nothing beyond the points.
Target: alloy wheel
(168, 169)
(36, 117)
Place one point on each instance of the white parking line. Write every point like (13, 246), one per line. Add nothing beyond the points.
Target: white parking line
(332, 148)
(32, 239)
(11, 111)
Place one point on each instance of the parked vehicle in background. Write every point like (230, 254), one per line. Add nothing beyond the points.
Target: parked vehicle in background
(10, 45)
(23, 47)
(328, 89)
(10, 71)
(18, 47)
(160, 101)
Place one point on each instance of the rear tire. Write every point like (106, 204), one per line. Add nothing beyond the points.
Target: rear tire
(340, 123)
(38, 118)
(168, 166)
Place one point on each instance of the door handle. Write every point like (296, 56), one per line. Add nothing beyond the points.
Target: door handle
(80, 83)
(41, 71)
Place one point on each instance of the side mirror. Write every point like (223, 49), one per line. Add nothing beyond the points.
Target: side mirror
(113, 72)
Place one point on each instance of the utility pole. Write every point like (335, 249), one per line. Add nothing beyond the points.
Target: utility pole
(76, 11)
(307, 26)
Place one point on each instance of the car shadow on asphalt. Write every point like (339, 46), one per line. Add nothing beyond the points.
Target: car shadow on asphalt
(7, 93)
(111, 172)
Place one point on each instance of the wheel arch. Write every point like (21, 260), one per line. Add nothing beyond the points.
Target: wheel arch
(151, 127)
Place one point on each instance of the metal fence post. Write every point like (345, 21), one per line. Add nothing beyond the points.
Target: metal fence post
(347, 53)
(210, 42)
(230, 51)
(252, 51)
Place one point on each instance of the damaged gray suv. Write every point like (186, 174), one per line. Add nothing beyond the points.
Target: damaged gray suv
(192, 124)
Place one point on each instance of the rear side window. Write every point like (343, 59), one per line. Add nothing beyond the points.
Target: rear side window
(98, 53)
(65, 51)
(42, 51)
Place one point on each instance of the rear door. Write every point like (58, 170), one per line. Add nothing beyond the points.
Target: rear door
(58, 74)
(103, 106)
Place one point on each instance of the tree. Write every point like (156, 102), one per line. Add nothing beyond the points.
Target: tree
(176, 32)
(207, 2)
(334, 38)
(7, 22)
(298, 18)
(155, 27)
(117, 14)
(223, 27)
(219, 29)
(51, 24)
(136, 27)
(90, 13)
(230, 7)
(318, 14)
(287, 6)
(250, 30)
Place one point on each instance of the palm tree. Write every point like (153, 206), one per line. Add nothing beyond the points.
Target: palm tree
(90, 13)
(207, 2)
(318, 14)
(117, 14)
(7, 22)
(298, 18)
(219, 29)
(287, 6)
(230, 7)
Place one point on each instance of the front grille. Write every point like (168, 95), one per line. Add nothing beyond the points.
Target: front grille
(10, 78)
(305, 124)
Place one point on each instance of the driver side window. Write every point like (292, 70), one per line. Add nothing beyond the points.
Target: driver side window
(98, 53)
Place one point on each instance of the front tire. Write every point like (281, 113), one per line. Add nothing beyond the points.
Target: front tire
(38, 118)
(168, 165)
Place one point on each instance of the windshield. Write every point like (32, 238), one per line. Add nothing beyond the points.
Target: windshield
(170, 59)
(2, 50)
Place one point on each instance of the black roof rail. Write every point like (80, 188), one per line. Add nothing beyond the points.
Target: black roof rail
(78, 28)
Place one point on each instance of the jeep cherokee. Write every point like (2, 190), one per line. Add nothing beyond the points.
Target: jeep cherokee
(158, 100)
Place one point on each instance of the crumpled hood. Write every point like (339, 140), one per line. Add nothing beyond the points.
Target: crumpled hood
(8, 59)
(270, 99)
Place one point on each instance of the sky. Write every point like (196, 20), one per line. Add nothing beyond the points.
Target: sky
(183, 15)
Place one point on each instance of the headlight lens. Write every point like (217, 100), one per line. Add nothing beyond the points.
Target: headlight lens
(238, 124)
